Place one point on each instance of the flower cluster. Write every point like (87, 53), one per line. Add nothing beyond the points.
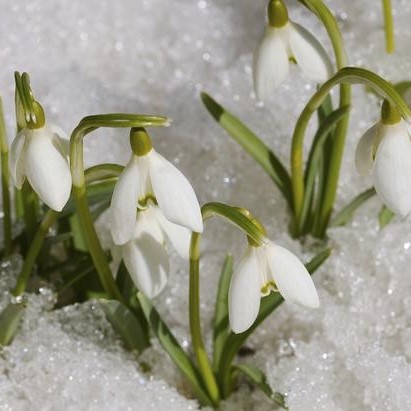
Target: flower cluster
(152, 200)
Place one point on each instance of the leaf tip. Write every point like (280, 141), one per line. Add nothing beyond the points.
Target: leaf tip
(212, 106)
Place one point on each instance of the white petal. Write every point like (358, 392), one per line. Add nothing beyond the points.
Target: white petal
(47, 170)
(309, 54)
(244, 293)
(123, 206)
(291, 277)
(366, 148)
(116, 256)
(17, 159)
(146, 258)
(174, 194)
(392, 169)
(179, 236)
(270, 63)
(145, 183)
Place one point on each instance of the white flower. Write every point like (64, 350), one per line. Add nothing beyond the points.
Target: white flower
(260, 270)
(146, 257)
(278, 47)
(41, 155)
(151, 176)
(385, 150)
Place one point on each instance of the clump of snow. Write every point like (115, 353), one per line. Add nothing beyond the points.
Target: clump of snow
(151, 56)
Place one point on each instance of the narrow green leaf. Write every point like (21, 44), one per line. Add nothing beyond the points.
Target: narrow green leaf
(220, 322)
(348, 211)
(316, 262)
(314, 157)
(251, 144)
(258, 378)
(126, 325)
(96, 193)
(9, 322)
(129, 292)
(55, 239)
(173, 348)
(102, 172)
(317, 200)
(385, 216)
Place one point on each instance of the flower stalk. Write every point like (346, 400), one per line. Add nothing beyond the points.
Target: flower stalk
(34, 250)
(240, 219)
(348, 75)
(86, 126)
(388, 26)
(5, 184)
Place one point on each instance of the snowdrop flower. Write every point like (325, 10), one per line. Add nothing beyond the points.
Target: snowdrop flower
(150, 177)
(385, 150)
(283, 42)
(146, 256)
(152, 201)
(263, 269)
(41, 155)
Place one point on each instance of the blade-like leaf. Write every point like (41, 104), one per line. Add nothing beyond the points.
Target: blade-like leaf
(9, 322)
(315, 153)
(257, 377)
(102, 172)
(173, 348)
(220, 322)
(348, 211)
(385, 216)
(252, 144)
(126, 325)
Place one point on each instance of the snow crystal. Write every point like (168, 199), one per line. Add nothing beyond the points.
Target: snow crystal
(152, 56)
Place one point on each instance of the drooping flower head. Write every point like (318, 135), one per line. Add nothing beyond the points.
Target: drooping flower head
(262, 269)
(385, 151)
(40, 154)
(152, 200)
(286, 42)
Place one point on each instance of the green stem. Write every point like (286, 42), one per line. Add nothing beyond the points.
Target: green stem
(195, 326)
(34, 250)
(86, 126)
(350, 75)
(5, 184)
(30, 209)
(238, 218)
(334, 33)
(388, 26)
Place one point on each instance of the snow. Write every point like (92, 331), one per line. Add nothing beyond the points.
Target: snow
(153, 56)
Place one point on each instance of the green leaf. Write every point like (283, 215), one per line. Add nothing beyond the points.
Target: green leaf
(220, 322)
(385, 216)
(102, 172)
(348, 211)
(251, 144)
(55, 239)
(126, 325)
(314, 157)
(10, 321)
(173, 348)
(258, 378)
